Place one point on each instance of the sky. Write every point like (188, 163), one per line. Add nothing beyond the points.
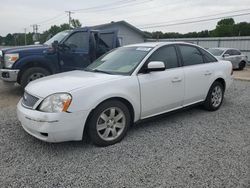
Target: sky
(15, 15)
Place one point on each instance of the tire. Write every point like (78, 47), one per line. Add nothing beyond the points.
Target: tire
(214, 97)
(242, 65)
(109, 123)
(32, 74)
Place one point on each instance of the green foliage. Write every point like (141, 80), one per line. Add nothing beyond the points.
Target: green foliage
(224, 28)
(227, 21)
(76, 23)
(18, 39)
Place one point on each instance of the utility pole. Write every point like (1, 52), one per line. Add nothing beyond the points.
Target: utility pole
(35, 31)
(70, 19)
(25, 38)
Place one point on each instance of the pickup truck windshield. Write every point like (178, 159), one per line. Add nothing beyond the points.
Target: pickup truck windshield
(58, 37)
(216, 52)
(120, 61)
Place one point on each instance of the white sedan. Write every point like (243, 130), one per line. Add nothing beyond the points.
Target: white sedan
(126, 85)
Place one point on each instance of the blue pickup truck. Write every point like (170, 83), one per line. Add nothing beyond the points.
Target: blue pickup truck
(66, 51)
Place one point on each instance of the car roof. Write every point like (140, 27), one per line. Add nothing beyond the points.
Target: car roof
(155, 44)
(224, 49)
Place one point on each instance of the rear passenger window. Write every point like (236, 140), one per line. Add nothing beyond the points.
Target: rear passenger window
(208, 58)
(190, 55)
(167, 54)
(236, 52)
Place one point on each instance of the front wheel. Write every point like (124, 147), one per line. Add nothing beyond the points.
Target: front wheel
(214, 97)
(109, 123)
(32, 74)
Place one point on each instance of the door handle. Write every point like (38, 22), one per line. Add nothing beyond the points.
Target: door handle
(207, 73)
(176, 79)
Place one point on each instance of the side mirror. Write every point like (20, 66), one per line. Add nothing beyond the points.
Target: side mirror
(226, 55)
(37, 42)
(156, 66)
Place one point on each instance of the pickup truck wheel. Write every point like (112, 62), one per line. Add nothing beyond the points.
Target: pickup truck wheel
(109, 123)
(214, 97)
(32, 74)
(242, 65)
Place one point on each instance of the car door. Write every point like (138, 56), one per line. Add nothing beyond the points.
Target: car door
(230, 57)
(197, 73)
(74, 53)
(162, 91)
(106, 41)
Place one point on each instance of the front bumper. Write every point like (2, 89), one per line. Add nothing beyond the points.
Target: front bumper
(9, 75)
(52, 127)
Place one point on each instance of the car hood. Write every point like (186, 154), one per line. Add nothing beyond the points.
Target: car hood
(219, 57)
(26, 49)
(66, 82)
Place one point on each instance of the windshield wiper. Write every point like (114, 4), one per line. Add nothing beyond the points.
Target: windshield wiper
(96, 70)
(101, 71)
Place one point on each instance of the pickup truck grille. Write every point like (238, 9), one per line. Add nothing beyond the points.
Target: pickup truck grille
(29, 100)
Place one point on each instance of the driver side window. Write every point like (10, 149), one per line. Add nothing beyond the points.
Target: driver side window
(78, 40)
(166, 54)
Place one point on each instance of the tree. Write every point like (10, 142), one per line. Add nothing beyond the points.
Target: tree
(227, 21)
(9, 40)
(224, 28)
(76, 23)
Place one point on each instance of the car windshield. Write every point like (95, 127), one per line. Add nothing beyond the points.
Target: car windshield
(216, 52)
(119, 61)
(58, 37)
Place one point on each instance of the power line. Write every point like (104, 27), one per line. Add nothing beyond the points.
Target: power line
(48, 20)
(104, 5)
(55, 18)
(117, 6)
(210, 15)
(196, 21)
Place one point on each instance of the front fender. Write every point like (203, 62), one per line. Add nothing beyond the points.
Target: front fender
(50, 62)
(89, 98)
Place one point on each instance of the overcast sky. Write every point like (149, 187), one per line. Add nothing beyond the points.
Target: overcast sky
(15, 15)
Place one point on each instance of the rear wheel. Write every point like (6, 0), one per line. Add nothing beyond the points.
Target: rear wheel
(214, 97)
(32, 74)
(109, 123)
(242, 65)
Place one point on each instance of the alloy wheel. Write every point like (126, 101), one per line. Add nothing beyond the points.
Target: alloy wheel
(216, 97)
(111, 123)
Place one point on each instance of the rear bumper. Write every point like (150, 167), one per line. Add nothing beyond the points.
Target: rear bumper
(9, 75)
(52, 127)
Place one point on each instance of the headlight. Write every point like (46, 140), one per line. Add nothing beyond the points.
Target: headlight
(58, 102)
(10, 59)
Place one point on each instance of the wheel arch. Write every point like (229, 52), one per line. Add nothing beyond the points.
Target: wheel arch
(220, 80)
(121, 99)
(32, 64)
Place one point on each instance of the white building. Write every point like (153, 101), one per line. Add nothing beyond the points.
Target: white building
(127, 33)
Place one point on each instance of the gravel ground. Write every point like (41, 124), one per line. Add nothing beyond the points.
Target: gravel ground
(191, 148)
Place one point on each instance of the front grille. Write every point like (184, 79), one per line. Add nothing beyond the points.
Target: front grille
(29, 100)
